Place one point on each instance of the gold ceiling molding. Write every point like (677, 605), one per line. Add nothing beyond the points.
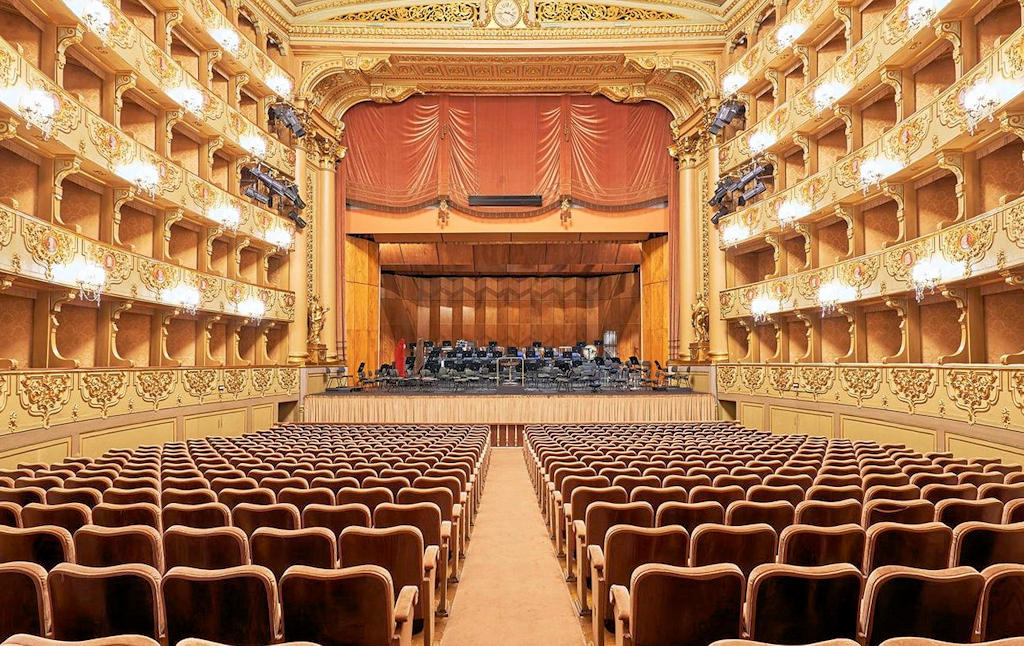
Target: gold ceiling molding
(442, 12)
(561, 11)
(670, 6)
(679, 82)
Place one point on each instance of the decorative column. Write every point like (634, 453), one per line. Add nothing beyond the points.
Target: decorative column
(689, 215)
(297, 267)
(327, 273)
(717, 327)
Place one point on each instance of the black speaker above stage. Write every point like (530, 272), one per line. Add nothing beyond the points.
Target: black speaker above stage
(505, 200)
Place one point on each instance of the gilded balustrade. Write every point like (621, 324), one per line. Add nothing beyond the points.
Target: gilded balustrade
(101, 148)
(912, 143)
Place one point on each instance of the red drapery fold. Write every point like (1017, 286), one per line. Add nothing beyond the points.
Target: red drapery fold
(434, 147)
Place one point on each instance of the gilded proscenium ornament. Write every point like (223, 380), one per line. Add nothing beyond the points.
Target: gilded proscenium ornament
(558, 11)
(445, 12)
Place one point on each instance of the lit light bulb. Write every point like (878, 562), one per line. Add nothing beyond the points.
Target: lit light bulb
(731, 83)
(280, 85)
(226, 37)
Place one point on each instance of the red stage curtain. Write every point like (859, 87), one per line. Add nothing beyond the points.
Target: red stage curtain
(395, 160)
(588, 148)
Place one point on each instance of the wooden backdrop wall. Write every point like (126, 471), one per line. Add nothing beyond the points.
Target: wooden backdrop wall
(510, 310)
(362, 303)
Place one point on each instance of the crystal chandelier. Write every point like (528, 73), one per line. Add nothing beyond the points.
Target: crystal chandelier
(876, 169)
(226, 215)
(826, 94)
(252, 308)
(280, 237)
(761, 306)
(90, 276)
(184, 297)
(734, 232)
(226, 37)
(281, 85)
(984, 96)
(188, 97)
(921, 12)
(731, 83)
(928, 273)
(788, 32)
(94, 14)
(791, 211)
(144, 175)
(832, 293)
(760, 140)
(255, 145)
(38, 106)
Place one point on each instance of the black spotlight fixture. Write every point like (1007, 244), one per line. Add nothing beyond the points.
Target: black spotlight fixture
(722, 211)
(756, 171)
(294, 216)
(276, 186)
(265, 200)
(751, 193)
(725, 186)
(729, 109)
(286, 114)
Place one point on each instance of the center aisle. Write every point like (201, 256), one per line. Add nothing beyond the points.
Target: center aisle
(512, 591)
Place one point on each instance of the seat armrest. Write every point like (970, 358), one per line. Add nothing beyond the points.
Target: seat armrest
(406, 603)
(558, 498)
(580, 529)
(457, 510)
(430, 557)
(620, 600)
(596, 557)
(567, 510)
(446, 529)
(462, 498)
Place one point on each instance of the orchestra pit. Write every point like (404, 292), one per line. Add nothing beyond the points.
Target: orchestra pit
(515, 322)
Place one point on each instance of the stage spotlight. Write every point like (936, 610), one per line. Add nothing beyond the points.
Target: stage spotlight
(286, 114)
(263, 199)
(725, 186)
(722, 211)
(727, 111)
(757, 171)
(277, 186)
(294, 216)
(751, 193)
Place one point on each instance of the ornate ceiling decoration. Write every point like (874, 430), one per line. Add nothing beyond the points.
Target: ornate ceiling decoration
(546, 11)
(681, 82)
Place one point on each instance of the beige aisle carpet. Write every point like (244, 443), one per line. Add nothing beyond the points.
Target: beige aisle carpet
(512, 592)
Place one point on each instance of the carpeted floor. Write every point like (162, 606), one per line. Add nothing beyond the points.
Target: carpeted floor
(512, 591)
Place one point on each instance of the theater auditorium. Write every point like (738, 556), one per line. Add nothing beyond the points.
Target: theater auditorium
(511, 322)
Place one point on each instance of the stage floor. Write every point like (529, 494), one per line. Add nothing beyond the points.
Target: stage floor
(510, 409)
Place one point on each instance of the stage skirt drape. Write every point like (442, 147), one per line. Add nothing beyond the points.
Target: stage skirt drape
(592, 150)
(508, 409)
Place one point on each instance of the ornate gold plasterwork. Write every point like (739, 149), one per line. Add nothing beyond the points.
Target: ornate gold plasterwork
(860, 383)
(44, 395)
(561, 11)
(199, 383)
(155, 386)
(101, 390)
(441, 12)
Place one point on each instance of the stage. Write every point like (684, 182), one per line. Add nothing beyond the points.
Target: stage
(516, 410)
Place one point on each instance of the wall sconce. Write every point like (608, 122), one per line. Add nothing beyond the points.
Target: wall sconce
(280, 237)
(255, 145)
(761, 306)
(826, 94)
(760, 140)
(37, 106)
(928, 273)
(874, 170)
(984, 96)
(788, 32)
(94, 14)
(731, 83)
(144, 175)
(226, 37)
(832, 293)
(226, 215)
(188, 97)
(280, 85)
(252, 308)
(734, 232)
(182, 296)
(791, 211)
(89, 275)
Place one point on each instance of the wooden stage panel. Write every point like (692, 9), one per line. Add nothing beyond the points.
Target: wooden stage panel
(508, 409)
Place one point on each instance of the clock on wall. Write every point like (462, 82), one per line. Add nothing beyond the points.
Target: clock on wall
(507, 13)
